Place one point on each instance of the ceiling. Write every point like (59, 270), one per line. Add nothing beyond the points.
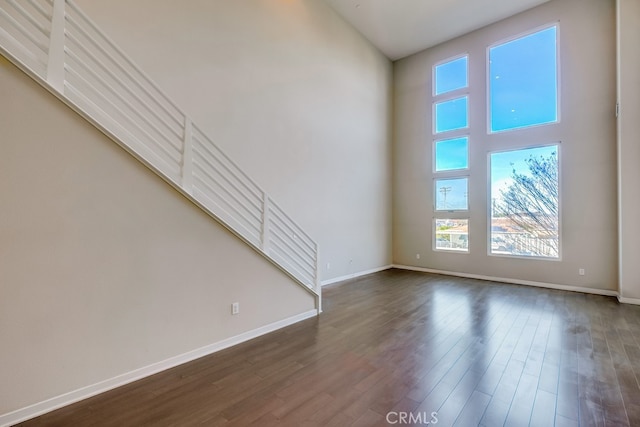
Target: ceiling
(402, 27)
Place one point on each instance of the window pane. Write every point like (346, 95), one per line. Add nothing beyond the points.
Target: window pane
(524, 202)
(452, 234)
(452, 154)
(451, 194)
(523, 81)
(450, 115)
(451, 75)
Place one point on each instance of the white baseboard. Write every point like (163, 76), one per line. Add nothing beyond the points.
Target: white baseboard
(54, 403)
(354, 275)
(514, 281)
(625, 300)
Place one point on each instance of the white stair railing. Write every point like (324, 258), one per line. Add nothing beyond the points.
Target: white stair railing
(60, 47)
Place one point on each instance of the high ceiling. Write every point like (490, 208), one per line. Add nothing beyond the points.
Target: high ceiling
(402, 27)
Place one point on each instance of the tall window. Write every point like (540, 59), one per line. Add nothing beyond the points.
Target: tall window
(523, 92)
(451, 155)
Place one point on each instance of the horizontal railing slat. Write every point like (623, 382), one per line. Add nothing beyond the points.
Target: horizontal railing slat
(41, 10)
(32, 61)
(128, 89)
(95, 112)
(221, 212)
(117, 116)
(130, 63)
(255, 218)
(290, 241)
(174, 147)
(230, 179)
(308, 281)
(304, 264)
(24, 31)
(26, 15)
(292, 225)
(226, 162)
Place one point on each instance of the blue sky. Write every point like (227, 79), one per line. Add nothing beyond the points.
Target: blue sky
(452, 114)
(451, 154)
(451, 75)
(456, 190)
(523, 81)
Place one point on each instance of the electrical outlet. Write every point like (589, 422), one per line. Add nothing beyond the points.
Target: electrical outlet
(235, 308)
(581, 271)
(328, 266)
(417, 256)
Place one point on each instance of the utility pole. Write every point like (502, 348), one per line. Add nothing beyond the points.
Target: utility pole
(444, 191)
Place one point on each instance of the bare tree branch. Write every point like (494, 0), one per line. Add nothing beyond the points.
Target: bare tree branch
(531, 201)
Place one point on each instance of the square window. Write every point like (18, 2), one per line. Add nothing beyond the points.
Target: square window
(451, 194)
(451, 235)
(451, 115)
(451, 154)
(525, 203)
(523, 84)
(450, 76)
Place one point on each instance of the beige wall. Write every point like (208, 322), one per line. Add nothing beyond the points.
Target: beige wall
(297, 97)
(104, 268)
(588, 153)
(629, 146)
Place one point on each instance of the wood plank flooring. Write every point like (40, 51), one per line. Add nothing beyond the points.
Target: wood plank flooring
(400, 343)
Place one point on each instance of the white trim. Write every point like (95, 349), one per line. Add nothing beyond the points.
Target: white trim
(354, 275)
(625, 300)
(514, 281)
(65, 399)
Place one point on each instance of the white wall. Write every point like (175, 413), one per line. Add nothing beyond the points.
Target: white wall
(588, 152)
(104, 268)
(293, 94)
(629, 147)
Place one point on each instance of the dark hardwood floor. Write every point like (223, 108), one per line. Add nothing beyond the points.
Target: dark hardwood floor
(405, 344)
